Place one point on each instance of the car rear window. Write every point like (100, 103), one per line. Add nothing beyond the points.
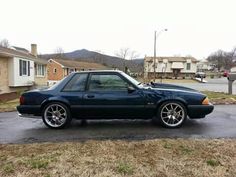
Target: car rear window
(76, 84)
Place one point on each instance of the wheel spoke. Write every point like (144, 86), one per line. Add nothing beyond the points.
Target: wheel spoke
(175, 107)
(50, 112)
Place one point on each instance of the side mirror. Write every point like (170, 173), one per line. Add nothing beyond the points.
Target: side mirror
(130, 89)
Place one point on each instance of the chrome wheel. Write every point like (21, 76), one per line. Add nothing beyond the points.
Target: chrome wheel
(172, 114)
(55, 115)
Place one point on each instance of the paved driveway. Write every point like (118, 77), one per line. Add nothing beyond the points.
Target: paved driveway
(220, 124)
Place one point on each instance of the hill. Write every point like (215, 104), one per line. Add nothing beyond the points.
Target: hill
(135, 65)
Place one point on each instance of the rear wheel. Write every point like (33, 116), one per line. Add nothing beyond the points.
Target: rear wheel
(56, 115)
(172, 114)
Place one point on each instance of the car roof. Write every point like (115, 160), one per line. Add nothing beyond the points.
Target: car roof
(99, 71)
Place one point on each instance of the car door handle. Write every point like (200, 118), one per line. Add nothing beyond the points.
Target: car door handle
(89, 96)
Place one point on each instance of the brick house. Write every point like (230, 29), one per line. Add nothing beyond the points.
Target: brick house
(20, 70)
(170, 67)
(58, 68)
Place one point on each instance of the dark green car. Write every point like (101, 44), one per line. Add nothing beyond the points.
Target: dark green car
(113, 95)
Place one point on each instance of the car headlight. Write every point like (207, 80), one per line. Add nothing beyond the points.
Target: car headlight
(206, 101)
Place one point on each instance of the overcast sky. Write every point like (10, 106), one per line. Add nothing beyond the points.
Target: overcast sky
(195, 27)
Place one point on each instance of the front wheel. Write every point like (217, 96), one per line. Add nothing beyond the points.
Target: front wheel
(56, 115)
(172, 114)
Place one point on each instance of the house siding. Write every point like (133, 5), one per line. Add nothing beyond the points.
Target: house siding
(41, 80)
(168, 72)
(4, 75)
(5, 69)
(15, 80)
(55, 76)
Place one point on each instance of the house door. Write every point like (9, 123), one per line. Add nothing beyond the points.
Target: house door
(176, 73)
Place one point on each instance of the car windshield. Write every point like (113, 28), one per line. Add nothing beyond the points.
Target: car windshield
(131, 79)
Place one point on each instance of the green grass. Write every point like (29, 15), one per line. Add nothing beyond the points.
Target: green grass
(38, 163)
(125, 168)
(213, 162)
(185, 150)
(8, 168)
(218, 95)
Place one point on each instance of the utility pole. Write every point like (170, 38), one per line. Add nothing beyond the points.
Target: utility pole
(155, 48)
(154, 59)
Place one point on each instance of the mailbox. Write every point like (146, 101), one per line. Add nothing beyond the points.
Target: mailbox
(231, 78)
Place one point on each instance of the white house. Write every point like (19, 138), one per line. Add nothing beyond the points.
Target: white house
(170, 67)
(204, 65)
(20, 70)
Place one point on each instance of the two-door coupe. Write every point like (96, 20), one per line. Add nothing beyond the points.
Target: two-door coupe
(112, 95)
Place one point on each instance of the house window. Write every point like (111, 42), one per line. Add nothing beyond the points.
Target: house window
(188, 66)
(40, 70)
(54, 70)
(71, 71)
(24, 68)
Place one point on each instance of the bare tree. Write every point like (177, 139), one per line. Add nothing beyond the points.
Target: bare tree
(123, 54)
(133, 55)
(223, 59)
(5, 43)
(59, 52)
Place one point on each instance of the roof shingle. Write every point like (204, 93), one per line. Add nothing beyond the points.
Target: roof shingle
(79, 64)
(8, 52)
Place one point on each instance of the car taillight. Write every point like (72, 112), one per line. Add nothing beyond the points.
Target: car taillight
(206, 101)
(22, 100)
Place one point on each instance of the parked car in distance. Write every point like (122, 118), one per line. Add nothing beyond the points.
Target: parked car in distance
(200, 75)
(226, 73)
(112, 95)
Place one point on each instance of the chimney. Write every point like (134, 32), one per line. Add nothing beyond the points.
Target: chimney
(34, 49)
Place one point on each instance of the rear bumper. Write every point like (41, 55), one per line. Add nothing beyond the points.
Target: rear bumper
(199, 111)
(29, 116)
(29, 110)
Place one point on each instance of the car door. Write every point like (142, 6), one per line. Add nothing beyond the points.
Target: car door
(107, 96)
(74, 91)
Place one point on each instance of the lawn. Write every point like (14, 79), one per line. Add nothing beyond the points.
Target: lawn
(172, 81)
(220, 97)
(9, 106)
(163, 157)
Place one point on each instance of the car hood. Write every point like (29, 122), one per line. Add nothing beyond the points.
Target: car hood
(162, 86)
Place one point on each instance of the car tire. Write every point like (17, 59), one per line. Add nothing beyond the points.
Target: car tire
(56, 115)
(172, 114)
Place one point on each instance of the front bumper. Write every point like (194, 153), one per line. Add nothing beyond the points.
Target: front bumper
(31, 111)
(199, 111)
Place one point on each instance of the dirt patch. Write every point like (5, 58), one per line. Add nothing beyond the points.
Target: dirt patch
(164, 157)
(9, 106)
(219, 101)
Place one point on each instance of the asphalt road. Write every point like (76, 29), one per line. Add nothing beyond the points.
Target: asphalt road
(220, 124)
(217, 85)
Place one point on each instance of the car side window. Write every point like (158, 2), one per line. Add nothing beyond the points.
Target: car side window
(107, 82)
(76, 84)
